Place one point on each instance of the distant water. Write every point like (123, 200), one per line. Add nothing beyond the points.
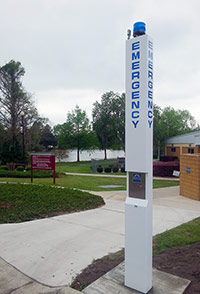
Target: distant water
(89, 154)
(93, 154)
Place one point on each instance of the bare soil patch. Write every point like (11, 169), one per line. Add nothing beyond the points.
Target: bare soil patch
(97, 269)
(183, 262)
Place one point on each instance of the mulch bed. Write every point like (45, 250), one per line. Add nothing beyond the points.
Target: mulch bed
(183, 262)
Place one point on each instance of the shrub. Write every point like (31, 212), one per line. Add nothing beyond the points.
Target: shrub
(165, 158)
(28, 168)
(3, 167)
(165, 169)
(20, 168)
(10, 165)
(115, 169)
(27, 174)
(100, 169)
(123, 169)
(107, 170)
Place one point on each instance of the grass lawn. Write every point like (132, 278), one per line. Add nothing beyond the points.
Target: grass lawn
(83, 166)
(19, 202)
(182, 235)
(74, 167)
(87, 182)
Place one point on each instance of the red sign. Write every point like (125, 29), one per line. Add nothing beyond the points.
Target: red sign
(43, 162)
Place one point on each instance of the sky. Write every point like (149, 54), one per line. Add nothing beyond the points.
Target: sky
(73, 51)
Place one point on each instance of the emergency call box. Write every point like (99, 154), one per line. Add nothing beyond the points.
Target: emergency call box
(137, 185)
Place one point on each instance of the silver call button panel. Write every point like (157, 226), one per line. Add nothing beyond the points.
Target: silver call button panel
(137, 185)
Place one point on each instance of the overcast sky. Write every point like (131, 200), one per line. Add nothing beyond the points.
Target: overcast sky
(73, 51)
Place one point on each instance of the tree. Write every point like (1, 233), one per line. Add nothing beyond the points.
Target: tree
(13, 100)
(75, 132)
(119, 120)
(157, 131)
(47, 138)
(60, 154)
(170, 122)
(33, 136)
(109, 121)
(176, 122)
(2, 142)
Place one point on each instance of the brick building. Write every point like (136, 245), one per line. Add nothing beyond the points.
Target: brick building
(183, 144)
(190, 176)
(187, 148)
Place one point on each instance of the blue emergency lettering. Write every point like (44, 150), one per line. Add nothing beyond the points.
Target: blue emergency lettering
(150, 85)
(135, 65)
(150, 64)
(135, 75)
(135, 114)
(150, 114)
(150, 45)
(136, 55)
(150, 104)
(136, 46)
(135, 104)
(135, 85)
(150, 94)
(150, 123)
(150, 55)
(135, 123)
(136, 95)
(150, 74)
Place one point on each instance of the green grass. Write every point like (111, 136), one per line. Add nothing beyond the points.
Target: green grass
(88, 183)
(83, 166)
(74, 167)
(19, 202)
(78, 182)
(180, 236)
(164, 183)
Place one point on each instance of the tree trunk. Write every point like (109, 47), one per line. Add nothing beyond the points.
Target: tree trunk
(105, 154)
(78, 155)
(159, 150)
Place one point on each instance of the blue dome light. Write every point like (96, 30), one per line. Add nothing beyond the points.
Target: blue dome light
(139, 28)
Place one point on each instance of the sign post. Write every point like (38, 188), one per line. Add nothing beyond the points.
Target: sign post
(139, 129)
(43, 162)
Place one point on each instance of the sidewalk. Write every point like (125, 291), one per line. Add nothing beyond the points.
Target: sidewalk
(53, 251)
(15, 282)
(115, 176)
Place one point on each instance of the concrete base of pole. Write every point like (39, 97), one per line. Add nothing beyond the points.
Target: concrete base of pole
(113, 282)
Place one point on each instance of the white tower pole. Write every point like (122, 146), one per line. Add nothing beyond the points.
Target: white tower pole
(139, 142)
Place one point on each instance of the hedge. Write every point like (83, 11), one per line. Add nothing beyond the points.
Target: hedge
(165, 169)
(100, 169)
(115, 169)
(166, 158)
(27, 174)
(107, 169)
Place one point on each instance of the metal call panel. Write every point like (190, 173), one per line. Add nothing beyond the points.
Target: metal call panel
(137, 185)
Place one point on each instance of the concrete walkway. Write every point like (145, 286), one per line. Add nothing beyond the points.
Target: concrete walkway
(15, 282)
(115, 176)
(54, 250)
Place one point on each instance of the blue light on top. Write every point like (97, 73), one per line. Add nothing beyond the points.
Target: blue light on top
(139, 28)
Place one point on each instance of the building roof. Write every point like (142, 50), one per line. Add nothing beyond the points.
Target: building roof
(189, 138)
